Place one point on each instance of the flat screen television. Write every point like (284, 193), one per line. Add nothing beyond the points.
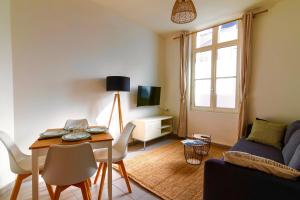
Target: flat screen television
(148, 96)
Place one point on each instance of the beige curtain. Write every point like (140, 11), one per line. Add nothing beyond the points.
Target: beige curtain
(247, 22)
(184, 71)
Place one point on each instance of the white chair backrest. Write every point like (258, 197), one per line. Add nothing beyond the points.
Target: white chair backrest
(69, 164)
(76, 124)
(122, 143)
(13, 151)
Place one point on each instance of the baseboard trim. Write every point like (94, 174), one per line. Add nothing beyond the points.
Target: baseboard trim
(221, 145)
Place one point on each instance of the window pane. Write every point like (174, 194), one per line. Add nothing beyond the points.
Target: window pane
(226, 62)
(204, 38)
(228, 32)
(202, 93)
(203, 65)
(226, 92)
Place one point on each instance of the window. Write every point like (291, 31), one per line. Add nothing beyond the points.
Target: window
(215, 68)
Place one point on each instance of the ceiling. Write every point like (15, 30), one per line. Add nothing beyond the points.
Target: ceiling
(155, 14)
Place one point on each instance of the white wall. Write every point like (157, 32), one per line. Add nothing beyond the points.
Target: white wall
(172, 60)
(276, 69)
(6, 88)
(62, 52)
(221, 126)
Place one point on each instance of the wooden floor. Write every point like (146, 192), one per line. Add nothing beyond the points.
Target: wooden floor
(119, 186)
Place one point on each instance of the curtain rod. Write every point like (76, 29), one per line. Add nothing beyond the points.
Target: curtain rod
(194, 32)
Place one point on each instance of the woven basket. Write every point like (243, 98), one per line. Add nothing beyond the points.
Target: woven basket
(193, 154)
(206, 139)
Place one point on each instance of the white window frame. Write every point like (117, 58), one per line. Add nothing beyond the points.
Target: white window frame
(214, 49)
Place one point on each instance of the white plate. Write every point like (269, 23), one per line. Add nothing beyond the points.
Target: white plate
(95, 130)
(71, 137)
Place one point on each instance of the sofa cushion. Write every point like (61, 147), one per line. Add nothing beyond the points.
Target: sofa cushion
(295, 161)
(291, 130)
(290, 148)
(262, 164)
(249, 127)
(267, 132)
(258, 150)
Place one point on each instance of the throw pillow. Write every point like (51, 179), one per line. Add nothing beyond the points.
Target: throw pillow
(267, 132)
(262, 164)
(295, 161)
(249, 127)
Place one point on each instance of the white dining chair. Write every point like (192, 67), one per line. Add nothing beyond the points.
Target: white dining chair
(76, 124)
(68, 165)
(20, 164)
(119, 152)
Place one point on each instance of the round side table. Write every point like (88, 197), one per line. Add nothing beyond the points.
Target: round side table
(191, 155)
(205, 138)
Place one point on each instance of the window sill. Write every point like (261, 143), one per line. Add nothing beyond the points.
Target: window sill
(204, 109)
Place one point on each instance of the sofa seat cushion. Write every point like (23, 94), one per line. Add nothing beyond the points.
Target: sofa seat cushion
(258, 149)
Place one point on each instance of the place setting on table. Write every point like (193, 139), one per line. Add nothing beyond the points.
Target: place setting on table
(74, 130)
(72, 134)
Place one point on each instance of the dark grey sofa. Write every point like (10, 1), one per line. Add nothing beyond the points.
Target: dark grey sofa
(224, 181)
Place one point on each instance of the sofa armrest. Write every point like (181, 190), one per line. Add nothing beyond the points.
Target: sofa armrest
(223, 180)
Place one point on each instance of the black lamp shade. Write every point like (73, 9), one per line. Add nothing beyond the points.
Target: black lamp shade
(118, 83)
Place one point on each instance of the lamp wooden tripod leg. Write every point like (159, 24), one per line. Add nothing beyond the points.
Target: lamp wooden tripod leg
(117, 98)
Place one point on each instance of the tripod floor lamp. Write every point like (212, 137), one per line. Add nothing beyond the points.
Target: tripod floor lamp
(117, 84)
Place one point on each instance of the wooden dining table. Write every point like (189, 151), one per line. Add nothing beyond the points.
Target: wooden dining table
(40, 148)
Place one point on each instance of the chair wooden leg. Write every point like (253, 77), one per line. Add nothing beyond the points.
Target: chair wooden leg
(89, 182)
(120, 170)
(58, 190)
(84, 190)
(50, 191)
(121, 164)
(87, 187)
(102, 181)
(98, 172)
(17, 185)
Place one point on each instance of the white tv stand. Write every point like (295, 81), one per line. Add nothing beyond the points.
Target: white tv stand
(150, 128)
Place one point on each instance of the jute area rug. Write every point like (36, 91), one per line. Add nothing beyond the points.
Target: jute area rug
(164, 172)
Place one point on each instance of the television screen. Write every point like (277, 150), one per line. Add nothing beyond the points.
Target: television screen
(148, 96)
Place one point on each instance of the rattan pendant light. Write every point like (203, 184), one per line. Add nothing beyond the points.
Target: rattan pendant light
(183, 12)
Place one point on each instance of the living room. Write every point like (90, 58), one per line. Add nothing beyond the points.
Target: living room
(56, 60)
